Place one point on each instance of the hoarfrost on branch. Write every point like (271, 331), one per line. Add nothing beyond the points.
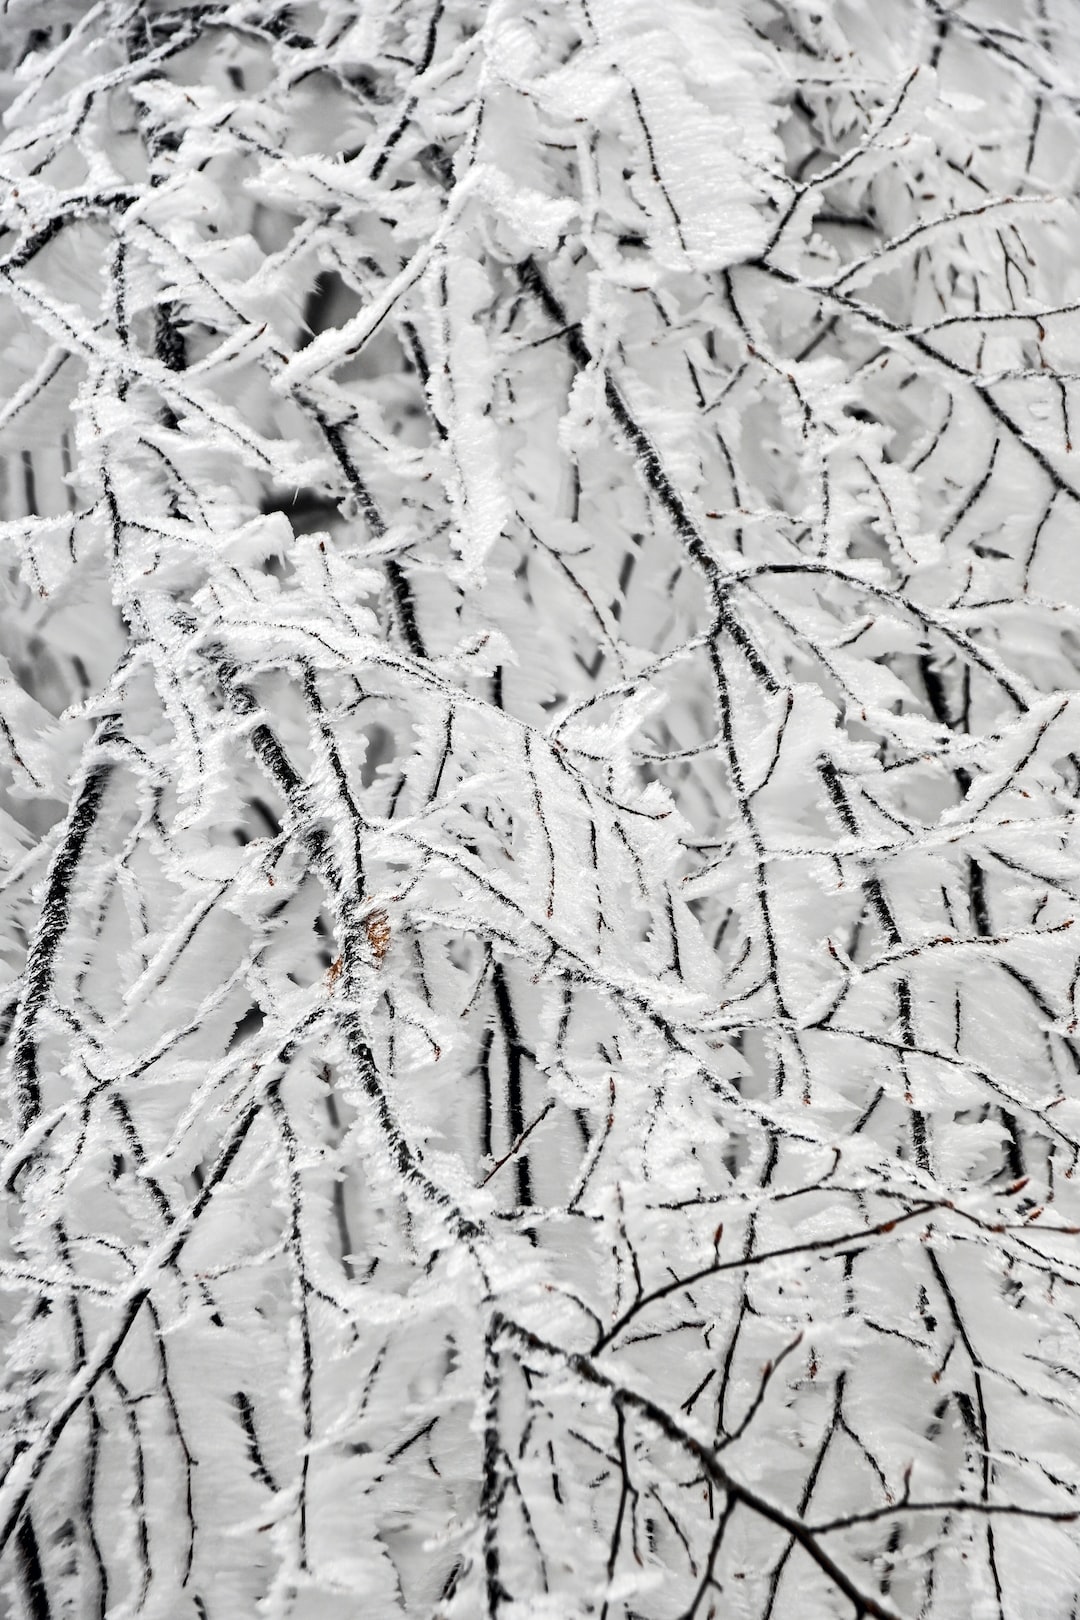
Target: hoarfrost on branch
(540, 745)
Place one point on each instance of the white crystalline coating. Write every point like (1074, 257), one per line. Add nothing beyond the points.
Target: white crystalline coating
(461, 392)
(539, 768)
(689, 79)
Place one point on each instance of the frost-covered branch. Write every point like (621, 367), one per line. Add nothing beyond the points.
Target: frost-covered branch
(540, 751)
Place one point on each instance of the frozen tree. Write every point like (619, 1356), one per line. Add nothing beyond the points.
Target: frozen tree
(541, 740)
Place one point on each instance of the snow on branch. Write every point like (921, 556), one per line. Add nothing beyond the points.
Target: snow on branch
(540, 755)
